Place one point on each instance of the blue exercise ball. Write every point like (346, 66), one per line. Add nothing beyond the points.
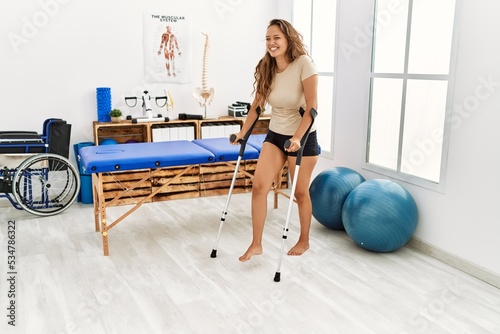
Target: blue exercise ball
(328, 191)
(380, 215)
(109, 141)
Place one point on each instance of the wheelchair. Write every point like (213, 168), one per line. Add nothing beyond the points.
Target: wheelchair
(45, 183)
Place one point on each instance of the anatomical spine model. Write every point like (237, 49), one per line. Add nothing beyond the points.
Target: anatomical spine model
(204, 95)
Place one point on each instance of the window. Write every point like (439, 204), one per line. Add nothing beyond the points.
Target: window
(316, 21)
(412, 60)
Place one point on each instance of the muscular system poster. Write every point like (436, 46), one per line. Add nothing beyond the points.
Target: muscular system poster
(167, 51)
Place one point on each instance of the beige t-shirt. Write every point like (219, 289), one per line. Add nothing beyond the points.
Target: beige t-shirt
(287, 96)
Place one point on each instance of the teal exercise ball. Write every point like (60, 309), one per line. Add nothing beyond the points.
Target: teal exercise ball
(328, 191)
(380, 215)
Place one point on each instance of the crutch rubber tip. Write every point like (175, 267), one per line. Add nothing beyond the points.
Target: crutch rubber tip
(277, 276)
(214, 253)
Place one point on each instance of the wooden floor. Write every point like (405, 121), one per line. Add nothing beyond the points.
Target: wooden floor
(159, 278)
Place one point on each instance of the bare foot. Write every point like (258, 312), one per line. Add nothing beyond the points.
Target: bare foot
(299, 248)
(252, 250)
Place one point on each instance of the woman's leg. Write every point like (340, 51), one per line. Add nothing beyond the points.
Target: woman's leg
(271, 160)
(303, 200)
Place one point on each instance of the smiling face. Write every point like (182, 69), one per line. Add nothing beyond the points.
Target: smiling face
(276, 42)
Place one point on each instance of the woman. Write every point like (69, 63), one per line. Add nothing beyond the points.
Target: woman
(286, 79)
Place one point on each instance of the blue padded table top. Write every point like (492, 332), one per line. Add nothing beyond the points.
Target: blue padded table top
(224, 151)
(123, 157)
(256, 141)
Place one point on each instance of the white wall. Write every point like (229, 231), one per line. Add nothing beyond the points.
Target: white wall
(464, 219)
(56, 52)
(87, 44)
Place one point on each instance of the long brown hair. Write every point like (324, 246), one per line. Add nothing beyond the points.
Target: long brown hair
(266, 68)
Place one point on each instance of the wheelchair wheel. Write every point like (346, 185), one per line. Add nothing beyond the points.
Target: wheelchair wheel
(45, 184)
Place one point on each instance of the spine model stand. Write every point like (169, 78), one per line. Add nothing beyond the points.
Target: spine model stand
(204, 95)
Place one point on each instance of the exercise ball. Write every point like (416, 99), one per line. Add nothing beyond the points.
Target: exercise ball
(328, 191)
(109, 141)
(380, 215)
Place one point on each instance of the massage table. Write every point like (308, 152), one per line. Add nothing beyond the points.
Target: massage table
(105, 160)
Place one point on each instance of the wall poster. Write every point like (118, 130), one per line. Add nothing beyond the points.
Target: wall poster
(167, 50)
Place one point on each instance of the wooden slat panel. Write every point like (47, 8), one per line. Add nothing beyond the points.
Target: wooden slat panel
(128, 200)
(250, 165)
(217, 168)
(159, 181)
(173, 171)
(220, 176)
(108, 186)
(125, 176)
(174, 188)
(221, 184)
(131, 193)
(123, 132)
(172, 196)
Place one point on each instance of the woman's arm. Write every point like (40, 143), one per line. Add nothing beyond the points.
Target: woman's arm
(310, 87)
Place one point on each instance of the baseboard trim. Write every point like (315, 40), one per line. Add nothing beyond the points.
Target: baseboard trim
(454, 261)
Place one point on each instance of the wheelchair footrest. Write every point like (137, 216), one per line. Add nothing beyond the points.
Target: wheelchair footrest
(5, 186)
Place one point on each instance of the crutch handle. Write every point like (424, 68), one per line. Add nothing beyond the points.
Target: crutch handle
(303, 140)
(233, 138)
(243, 140)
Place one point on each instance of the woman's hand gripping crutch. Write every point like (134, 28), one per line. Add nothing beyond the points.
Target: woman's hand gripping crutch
(243, 143)
(303, 141)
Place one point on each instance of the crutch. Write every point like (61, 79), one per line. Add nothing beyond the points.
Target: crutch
(303, 141)
(243, 143)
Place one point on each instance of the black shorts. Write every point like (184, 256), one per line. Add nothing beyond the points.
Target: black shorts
(311, 148)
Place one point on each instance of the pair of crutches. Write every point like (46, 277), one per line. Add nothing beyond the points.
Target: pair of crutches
(243, 141)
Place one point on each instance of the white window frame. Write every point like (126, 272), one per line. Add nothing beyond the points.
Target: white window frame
(308, 39)
(397, 174)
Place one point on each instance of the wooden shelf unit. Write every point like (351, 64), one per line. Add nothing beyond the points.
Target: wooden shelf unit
(126, 131)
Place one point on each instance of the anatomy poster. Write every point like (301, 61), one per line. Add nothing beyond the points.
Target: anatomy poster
(167, 51)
